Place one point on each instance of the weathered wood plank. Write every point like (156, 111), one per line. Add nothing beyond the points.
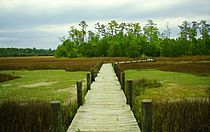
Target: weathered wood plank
(105, 107)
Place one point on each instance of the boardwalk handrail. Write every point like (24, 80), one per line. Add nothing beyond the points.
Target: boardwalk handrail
(118, 70)
(135, 61)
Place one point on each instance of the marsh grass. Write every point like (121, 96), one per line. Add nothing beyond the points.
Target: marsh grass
(197, 65)
(181, 115)
(32, 116)
(172, 85)
(6, 77)
(177, 116)
(181, 107)
(46, 85)
(46, 63)
(139, 86)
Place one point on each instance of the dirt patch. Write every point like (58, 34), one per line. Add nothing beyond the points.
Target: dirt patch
(64, 90)
(72, 91)
(6, 85)
(39, 84)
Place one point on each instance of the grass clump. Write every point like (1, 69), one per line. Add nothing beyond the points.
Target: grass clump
(139, 86)
(6, 77)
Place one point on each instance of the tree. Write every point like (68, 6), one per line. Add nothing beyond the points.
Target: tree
(75, 35)
(61, 51)
(112, 27)
(127, 40)
(204, 31)
(167, 32)
(101, 29)
(91, 35)
(136, 28)
(83, 30)
(184, 28)
(122, 27)
(151, 31)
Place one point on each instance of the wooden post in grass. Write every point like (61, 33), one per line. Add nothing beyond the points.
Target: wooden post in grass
(147, 115)
(117, 70)
(99, 67)
(119, 75)
(123, 81)
(88, 81)
(130, 97)
(56, 116)
(79, 93)
(92, 74)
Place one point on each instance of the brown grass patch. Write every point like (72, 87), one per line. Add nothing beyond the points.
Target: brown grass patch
(42, 63)
(198, 65)
(5, 77)
(183, 58)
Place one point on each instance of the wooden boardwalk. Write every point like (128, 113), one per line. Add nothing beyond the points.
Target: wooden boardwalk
(105, 107)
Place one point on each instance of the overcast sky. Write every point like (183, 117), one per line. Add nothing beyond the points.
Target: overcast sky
(39, 23)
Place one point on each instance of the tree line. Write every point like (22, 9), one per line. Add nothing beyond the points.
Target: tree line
(14, 52)
(131, 40)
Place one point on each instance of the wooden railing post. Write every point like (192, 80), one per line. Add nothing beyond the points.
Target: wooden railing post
(147, 115)
(130, 97)
(56, 116)
(97, 68)
(88, 81)
(119, 75)
(113, 64)
(116, 69)
(123, 81)
(92, 74)
(79, 93)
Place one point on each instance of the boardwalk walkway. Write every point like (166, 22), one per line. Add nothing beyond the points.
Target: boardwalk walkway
(105, 107)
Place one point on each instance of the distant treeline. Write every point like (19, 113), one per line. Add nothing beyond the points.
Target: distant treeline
(131, 40)
(9, 52)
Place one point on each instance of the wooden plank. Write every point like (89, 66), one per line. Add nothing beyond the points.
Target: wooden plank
(105, 107)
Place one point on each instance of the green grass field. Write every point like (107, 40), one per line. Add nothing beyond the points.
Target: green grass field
(180, 100)
(174, 85)
(43, 85)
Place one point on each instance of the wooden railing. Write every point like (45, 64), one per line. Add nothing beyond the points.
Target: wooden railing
(146, 106)
(118, 70)
(56, 105)
(146, 103)
(136, 61)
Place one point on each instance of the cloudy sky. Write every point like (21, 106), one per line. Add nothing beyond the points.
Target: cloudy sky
(39, 23)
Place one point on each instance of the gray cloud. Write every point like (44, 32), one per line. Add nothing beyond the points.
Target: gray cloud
(50, 18)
